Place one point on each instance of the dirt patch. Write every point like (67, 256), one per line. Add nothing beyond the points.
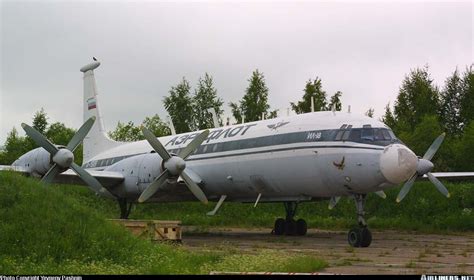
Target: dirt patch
(391, 252)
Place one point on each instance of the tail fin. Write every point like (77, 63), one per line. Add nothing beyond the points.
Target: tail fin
(96, 140)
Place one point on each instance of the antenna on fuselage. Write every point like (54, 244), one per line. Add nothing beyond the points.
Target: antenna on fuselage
(312, 104)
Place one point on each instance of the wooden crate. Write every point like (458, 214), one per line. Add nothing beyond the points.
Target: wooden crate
(155, 230)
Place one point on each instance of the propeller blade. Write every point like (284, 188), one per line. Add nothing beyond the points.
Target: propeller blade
(153, 187)
(333, 201)
(80, 134)
(91, 181)
(155, 144)
(381, 194)
(406, 188)
(39, 139)
(52, 172)
(441, 188)
(194, 188)
(191, 147)
(434, 147)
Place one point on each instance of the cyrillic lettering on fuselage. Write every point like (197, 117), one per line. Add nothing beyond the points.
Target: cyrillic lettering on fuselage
(213, 135)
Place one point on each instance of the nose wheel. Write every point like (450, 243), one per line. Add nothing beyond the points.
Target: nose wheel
(289, 226)
(360, 236)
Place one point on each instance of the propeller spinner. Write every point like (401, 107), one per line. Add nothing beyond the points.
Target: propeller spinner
(173, 166)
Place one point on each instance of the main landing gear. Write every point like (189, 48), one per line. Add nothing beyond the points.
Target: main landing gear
(125, 208)
(289, 226)
(360, 236)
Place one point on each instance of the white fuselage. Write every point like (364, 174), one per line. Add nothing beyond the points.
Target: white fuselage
(303, 157)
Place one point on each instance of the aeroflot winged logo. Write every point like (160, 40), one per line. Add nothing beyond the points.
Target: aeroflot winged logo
(277, 125)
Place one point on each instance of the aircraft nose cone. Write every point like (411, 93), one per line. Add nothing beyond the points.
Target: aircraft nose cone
(398, 163)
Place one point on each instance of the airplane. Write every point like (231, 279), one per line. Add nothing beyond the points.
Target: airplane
(289, 160)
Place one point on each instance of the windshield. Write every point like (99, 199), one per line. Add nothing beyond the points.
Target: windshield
(367, 135)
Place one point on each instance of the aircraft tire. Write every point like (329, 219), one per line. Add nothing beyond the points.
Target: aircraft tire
(301, 227)
(279, 228)
(366, 237)
(290, 227)
(354, 237)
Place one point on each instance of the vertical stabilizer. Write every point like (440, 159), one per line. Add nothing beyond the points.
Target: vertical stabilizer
(96, 140)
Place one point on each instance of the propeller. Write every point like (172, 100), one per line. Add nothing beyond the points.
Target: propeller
(424, 167)
(63, 157)
(173, 166)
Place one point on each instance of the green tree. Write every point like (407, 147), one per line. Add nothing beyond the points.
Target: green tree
(417, 97)
(313, 89)
(15, 146)
(59, 134)
(450, 105)
(40, 121)
(467, 97)
(236, 111)
(205, 97)
(255, 101)
(388, 117)
(335, 102)
(156, 126)
(179, 105)
(126, 132)
(424, 134)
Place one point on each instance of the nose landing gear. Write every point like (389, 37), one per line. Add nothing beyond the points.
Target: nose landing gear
(360, 236)
(289, 226)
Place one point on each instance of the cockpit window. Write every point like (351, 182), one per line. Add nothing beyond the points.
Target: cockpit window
(368, 135)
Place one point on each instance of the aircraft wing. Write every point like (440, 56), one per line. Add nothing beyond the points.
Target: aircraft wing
(106, 178)
(13, 168)
(453, 176)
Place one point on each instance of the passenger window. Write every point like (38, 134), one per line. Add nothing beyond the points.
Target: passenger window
(218, 147)
(211, 148)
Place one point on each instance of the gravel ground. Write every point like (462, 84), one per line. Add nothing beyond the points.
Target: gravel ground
(391, 252)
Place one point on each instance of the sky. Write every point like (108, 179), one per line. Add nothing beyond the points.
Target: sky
(363, 49)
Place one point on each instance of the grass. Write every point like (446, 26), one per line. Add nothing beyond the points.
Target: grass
(63, 230)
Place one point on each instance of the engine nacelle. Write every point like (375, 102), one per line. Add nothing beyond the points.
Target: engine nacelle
(139, 171)
(36, 162)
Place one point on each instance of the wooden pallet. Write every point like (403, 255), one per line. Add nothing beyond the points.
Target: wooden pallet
(155, 230)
